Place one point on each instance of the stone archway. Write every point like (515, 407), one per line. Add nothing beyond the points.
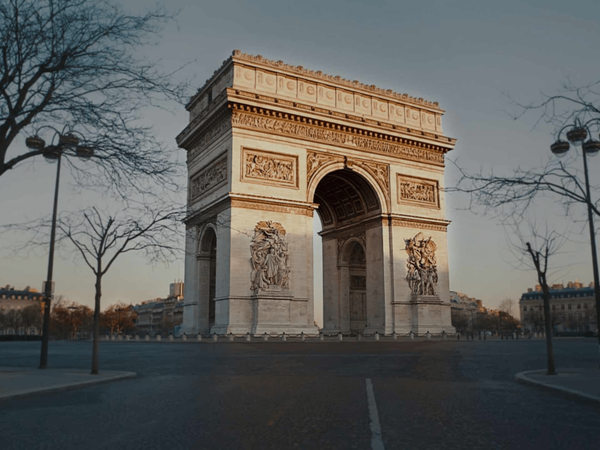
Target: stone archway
(206, 266)
(349, 208)
(268, 144)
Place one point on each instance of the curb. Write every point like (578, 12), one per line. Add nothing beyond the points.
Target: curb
(522, 377)
(111, 376)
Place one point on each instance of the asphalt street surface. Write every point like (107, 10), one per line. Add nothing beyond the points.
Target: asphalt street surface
(293, 395)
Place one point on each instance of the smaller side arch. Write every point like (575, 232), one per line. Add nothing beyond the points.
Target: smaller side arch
(346, 250)
(206, 235)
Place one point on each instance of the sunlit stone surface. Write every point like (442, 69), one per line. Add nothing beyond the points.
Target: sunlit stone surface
(268, 145)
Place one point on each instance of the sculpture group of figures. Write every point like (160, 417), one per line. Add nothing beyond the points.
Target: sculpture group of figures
(258, 166)
(418, 192)
(422, 274)
(270, 257)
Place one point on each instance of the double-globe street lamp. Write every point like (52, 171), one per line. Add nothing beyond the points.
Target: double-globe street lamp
(67, 144)
(577, 135)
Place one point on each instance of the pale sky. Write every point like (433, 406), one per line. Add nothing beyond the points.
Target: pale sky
(467, 55)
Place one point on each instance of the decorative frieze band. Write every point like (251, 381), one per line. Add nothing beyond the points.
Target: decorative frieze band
(272, 207)
(418, 191)
(269, 168)
(397, 222)
(211, 176)
(209, 137)
(330, 133)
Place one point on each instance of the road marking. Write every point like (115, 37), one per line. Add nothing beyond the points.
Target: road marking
(376, 442)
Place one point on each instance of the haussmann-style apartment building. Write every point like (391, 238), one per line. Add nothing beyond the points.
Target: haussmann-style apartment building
(573, 308)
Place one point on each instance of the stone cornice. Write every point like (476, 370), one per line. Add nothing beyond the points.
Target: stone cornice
(280, 66)
(240, 96)
(400, 220)
(272, 204)
(246, 201)
(193, 132)
(286, 124)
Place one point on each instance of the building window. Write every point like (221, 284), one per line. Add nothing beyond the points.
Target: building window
(569, 306)
(578, 305)
(562, 306)
(553, 307)
(524, 308)
(585, 306)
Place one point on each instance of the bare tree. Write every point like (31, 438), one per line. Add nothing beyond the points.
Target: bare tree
(533, 251)
(507, 306)
(511, 195)
(13, 321)
(32, 317)
(118, 317)
(100, 237)
(78, 63)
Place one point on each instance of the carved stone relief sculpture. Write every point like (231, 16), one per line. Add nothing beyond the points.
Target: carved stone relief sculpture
(414, 190)
(315, 161)
(209, 177)
(270, 258)
(379, 171)
(422, 274)
(269, 168)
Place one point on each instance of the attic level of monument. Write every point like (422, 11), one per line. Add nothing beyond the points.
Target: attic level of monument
(245, 78)
(314, 75)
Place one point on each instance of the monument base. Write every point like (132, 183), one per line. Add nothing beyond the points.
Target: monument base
(423, 313)
(268, 312)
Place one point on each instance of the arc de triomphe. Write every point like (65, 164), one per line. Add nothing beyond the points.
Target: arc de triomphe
(270, 144)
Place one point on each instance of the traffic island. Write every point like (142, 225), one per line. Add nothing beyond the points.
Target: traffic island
(580, 383)
(20, 381)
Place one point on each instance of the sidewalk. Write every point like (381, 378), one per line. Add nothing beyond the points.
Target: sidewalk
(20, 381)
(581, 383)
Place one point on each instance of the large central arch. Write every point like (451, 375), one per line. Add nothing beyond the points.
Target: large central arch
(348, 206)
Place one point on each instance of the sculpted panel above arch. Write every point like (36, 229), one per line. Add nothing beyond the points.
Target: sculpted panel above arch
(316, 162)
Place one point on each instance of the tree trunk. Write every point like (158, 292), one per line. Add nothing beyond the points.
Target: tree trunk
(548, 328)
(96, 342)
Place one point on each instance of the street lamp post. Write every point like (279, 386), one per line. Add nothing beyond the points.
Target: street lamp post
(577, 135)
(68, 144)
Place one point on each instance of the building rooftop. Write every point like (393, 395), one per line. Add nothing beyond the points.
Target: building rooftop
(574, 288)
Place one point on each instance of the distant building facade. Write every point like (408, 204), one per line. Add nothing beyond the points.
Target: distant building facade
(468, 314)
(17, 300)
(573, 308)
(161, 315)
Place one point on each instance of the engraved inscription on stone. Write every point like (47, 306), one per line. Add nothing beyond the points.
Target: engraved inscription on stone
(208, 178)
(422, 273)
(416, 190)
(270, 258)
(269, 168)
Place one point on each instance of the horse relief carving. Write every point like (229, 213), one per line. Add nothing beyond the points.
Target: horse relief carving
(270, 258)
(422, 273)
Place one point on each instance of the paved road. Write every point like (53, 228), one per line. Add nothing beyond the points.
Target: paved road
(427, 395)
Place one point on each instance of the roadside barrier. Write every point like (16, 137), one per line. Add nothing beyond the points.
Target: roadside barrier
(324, 336)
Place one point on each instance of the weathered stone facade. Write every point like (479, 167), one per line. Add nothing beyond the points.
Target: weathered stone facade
(268, 145)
